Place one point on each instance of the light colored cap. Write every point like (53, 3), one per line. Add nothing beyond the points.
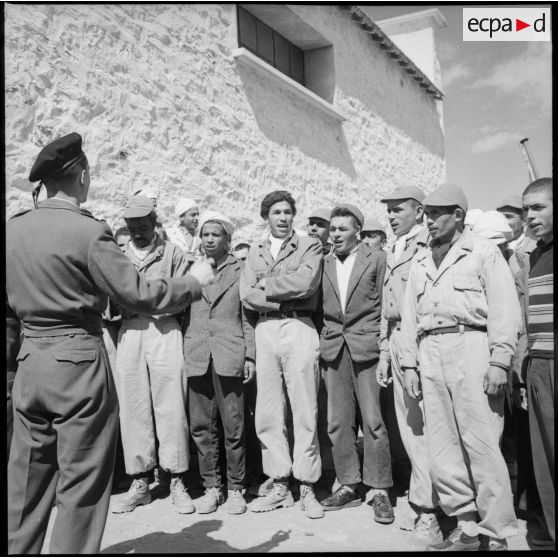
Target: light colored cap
(473, 215)
(405, 193)
(184, 205)
(511, 201)
(220, 218)
(447, 195)
(146, 193)
(371, 224)
(320, 213)
(138, 206)
(354, 210)
(494, 226)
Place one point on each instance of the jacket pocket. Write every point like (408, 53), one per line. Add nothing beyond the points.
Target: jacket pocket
(467, 283)
(23, 354)
(75, 355)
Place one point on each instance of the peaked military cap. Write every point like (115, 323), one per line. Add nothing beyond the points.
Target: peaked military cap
(405, 193)
(371, 224)
(447, 195)
(138, 206)
(56, 156)
(353, 209)
(511, 201)
(320, 213)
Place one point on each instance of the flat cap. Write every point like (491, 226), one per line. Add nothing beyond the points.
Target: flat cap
(371, 224)
(511, 201)
(405, 193)
(352, 209)
(137, 206)
(320, 213)
(56, 156)
(447, 195)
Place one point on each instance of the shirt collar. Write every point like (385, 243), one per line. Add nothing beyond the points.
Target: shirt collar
(351, 253)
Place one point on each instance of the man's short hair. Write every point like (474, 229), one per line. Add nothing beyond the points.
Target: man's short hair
(539, 185)
(344, 212)
(241, 246)
(275, 197)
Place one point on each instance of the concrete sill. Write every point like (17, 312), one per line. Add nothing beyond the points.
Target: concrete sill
(243, 56)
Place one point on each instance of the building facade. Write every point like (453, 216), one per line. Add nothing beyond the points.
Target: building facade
(222, 103)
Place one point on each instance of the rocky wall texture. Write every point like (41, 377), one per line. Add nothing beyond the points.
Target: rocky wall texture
(161, 103)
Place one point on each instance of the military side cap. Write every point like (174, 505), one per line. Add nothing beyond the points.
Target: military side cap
(138, 206)
(320, 213)
(56, 156)
(372, 225)
(352, 209)
(511, 201)
(405, 193)
(447, 195)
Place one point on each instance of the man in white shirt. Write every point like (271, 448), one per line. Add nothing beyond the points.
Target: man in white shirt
(183, 233)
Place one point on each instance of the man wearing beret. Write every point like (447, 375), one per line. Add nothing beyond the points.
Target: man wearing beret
(405, 215)
(183, 233)
(352, 293)
(150, 376)
(280, 281)
(373, 234)
(462, 307)
(512, 209)
(60, 267)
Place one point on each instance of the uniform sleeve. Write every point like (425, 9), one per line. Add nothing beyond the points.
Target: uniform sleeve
(300, 283)
(381, 273)
(252, 297)
(384, 341)
(182, 262)
(116, 276)
(409, 342)
(504, 313)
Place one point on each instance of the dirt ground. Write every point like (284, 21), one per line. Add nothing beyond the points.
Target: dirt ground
(157, 528)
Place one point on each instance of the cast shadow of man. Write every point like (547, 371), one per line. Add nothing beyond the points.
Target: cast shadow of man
(192, 539)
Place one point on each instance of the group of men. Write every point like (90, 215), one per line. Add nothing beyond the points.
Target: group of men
(450, 314)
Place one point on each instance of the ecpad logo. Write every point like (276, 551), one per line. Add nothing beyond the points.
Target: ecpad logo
(506, 24)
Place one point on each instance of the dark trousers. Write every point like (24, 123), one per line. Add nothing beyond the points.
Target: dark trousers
(350, 385)
(63, 447)
(323, 436)
(212, 397)
(542, 399)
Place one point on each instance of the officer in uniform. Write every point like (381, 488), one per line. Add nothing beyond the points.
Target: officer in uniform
(60, 266)
(462, 307)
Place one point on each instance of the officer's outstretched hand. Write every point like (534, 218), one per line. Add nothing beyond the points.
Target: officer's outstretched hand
(382, 373)
(412, 383)
(495, 381)
(202, 270)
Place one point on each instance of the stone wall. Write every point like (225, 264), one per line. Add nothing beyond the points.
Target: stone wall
(161, 103)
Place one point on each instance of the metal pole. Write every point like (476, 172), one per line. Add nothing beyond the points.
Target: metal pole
(533, 172)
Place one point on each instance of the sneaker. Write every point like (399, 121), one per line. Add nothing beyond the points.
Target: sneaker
(236, 504)
(180, 497)
(279, 497)
(309, 504)
(137, 495)
(383, 511)
(423, 525)
(497, 545)
(260, 488)
(343, 497)
(211, 500)
(457, 541)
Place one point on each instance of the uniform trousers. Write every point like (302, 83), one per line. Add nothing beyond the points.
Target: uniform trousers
(410, 418)
(209, 397)
(542, 402)
(287, 352)
(64, 443)
(151, 385)
(351, 384)
(463, 431)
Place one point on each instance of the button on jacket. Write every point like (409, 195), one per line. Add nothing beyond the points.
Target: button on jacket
(395, 282)
(473, 286)
(359, 325)
(292, 280)
(218, 327)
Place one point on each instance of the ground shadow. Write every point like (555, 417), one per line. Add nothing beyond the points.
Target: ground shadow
(192, 539)
(286, 119)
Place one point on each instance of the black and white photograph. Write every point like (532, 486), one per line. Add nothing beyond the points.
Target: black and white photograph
(279, 278)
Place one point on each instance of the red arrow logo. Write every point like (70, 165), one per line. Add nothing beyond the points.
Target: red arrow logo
(519, 25)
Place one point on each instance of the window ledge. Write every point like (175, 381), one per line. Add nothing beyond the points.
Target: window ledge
(244, 56)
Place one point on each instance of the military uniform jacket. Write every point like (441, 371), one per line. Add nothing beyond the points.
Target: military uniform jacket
(359, 326)
(473, 286)
(218, 327)
(62, 264)
(292, 280)
(395, 283)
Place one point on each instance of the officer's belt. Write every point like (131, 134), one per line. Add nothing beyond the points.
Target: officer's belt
(287, 314)
(88, 328)
(454, 329)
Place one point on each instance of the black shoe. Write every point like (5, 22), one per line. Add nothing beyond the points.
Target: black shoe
(343, 497)
(383, 511)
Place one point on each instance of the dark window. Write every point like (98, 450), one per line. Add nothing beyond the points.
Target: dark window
(270, 46)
